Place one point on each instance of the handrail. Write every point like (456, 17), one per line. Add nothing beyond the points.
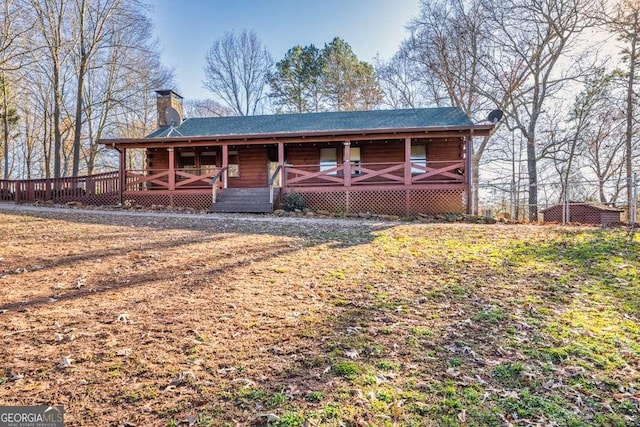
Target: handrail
(272, 179)
(218, 174)
(52, 188)
(214, 182)
(64, 178)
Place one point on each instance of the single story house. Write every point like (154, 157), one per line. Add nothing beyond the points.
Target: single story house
(582, 212)
(399, 162)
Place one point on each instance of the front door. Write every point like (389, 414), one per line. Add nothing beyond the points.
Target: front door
(272, 169)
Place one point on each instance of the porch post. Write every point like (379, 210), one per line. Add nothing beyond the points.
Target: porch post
(123, 173)
(347, 163)
(225, 164)
(467, 172)
(407, 161)
(281, 162)
(172, 169)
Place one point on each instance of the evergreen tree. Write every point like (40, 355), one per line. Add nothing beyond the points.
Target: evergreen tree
(349, 84)
(296, 82)
(332, 79)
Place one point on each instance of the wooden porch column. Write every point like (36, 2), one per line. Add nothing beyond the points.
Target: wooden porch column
(225, 164)
(281, 162)
(407, 161)
(123, 173)
(347, 163)
(172, 169)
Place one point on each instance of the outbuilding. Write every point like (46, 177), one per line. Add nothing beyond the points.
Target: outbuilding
(583, 212)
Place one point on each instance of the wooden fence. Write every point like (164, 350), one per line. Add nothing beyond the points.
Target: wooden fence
(100, 189)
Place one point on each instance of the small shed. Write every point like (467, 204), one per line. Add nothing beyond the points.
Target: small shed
(582, 212)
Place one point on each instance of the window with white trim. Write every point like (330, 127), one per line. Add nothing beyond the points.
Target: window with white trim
(419, 158)
(355, 160)
(328, 159)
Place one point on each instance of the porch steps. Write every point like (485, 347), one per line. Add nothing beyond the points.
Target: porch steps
(243, 200)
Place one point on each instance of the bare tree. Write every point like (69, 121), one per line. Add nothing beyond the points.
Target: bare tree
(92, 24)
(236, 70)
(205, 108)
(569, 135)
(13, 27)
(400, 82)
(449, 48)
(9, 116)
(534, 36)
(35, 88)
(51, 25)
(447, 45)
(118, 94)
(604, 136)
(623, 19)
(29, 144)
(81, 69)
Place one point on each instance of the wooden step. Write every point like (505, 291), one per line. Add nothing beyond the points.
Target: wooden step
(241, 200)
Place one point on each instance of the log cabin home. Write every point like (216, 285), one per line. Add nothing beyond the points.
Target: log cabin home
(398, 162)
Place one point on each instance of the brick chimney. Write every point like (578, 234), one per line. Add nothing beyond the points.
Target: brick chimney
(165, 99)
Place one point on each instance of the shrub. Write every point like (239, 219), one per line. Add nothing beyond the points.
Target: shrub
(292, 202)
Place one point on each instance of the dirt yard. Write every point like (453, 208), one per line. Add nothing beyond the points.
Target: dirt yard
(166, 320)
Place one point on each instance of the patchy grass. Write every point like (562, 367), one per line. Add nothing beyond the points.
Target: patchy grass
(171, 321)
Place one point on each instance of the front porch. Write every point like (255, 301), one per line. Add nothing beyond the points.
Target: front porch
(395, 175)
(391, 188)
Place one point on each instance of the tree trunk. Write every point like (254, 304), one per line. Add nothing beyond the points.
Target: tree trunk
(57, 136)
(476, 156)
(533, 180)
(5, 127)
(475, 182)
(78, 120)
(28, 155)
(629, 131)
(46, 144)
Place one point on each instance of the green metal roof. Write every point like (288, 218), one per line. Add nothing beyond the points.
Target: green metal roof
(338, 122)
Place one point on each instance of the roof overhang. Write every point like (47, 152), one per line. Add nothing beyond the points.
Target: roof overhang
(303, 137)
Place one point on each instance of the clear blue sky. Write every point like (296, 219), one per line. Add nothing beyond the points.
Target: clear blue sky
(187, 28)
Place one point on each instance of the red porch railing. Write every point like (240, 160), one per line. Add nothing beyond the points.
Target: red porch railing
(444, 172)
(362, 185)
(7, 190)
(61, 189)
(160, 179)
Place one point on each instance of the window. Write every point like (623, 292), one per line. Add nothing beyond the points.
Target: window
(418, 158)
(234, 165)
(207, 162)
(355, 160)
(187, 162)
(328, 159)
